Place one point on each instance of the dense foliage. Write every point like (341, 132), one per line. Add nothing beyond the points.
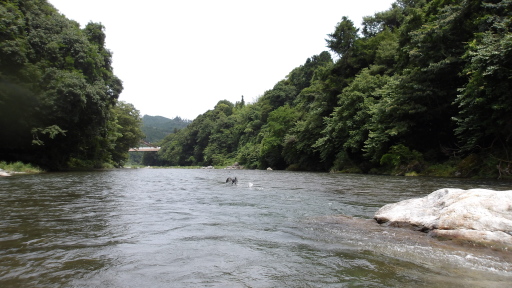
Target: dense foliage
(422, 83)
(155, 128)
(58, 93)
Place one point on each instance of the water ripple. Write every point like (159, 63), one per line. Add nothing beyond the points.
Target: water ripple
(188, 228)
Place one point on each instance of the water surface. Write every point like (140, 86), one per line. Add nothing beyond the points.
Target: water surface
(187, 228)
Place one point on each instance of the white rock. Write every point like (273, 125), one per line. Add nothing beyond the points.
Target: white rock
(479, 215)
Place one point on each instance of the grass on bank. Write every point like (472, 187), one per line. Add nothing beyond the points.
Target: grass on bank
(19, 167)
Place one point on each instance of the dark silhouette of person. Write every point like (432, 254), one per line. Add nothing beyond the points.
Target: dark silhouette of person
(232, 180)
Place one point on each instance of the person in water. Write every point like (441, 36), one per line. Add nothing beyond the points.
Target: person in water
(232, 180)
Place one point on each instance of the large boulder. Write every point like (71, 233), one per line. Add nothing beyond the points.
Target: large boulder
(3, 173)
(478, 216)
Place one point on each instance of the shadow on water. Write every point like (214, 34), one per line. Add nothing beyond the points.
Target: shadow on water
(188, 228)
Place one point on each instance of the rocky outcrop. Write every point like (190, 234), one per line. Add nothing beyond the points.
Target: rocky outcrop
(478, 216)
(235, 166)
(4, 174)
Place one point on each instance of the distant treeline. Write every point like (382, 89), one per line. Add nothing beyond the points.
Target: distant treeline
(155, 128)
(59, 103)
(424, 87)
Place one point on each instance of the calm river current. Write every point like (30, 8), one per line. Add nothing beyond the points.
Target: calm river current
(188, 228)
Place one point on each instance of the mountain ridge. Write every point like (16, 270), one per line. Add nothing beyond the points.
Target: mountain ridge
(157, 127)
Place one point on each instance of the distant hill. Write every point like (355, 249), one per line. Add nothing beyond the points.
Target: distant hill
(157, 127)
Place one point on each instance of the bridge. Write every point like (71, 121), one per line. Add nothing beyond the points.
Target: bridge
(144, 149)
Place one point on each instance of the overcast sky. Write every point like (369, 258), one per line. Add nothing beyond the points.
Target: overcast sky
(179, 58)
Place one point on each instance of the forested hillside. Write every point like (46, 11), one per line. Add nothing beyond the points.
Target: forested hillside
(59, 103)
(423, 87)
(155, 128)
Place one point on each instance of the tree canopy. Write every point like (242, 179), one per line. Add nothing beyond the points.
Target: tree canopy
(423, 85)
(58, 93)
(420, 84)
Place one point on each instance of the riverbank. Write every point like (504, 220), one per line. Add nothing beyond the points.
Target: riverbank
(8, 169)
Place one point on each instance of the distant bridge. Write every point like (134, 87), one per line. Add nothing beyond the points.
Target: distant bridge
(144, 149)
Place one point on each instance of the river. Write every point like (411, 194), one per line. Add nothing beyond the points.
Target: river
(188, 228)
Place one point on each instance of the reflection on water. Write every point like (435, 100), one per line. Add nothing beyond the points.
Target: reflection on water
(187, 228)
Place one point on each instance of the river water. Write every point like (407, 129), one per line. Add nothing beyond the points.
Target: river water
(188, 228)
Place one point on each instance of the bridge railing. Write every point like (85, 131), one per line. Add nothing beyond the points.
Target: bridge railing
(144, 149)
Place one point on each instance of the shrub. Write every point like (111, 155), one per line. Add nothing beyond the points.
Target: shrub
(19, 167)
(401, 159)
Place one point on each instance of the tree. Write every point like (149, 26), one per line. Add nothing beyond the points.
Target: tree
(485, 102)
(128, 128)
(386, 103)
(343, 38)
(416, 106)
(302, 76)
(312, 105)
(279, 123)
(347, 127)
(210, 139)
(390, 19)
(66, 73)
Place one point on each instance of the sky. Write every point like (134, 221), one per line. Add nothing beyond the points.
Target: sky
(181, 57)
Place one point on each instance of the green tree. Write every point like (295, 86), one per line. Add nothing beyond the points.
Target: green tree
(209, 139)
(128, 128)
(66, 72)
(280, 121)
(416, 106)
(343, 38)
(387, 102)
(171, 152)
(485, 102)
(347, 128)
(390, 19)
(302, 76)
(312, 104)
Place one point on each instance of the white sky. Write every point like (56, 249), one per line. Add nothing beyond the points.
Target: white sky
(180, 57)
